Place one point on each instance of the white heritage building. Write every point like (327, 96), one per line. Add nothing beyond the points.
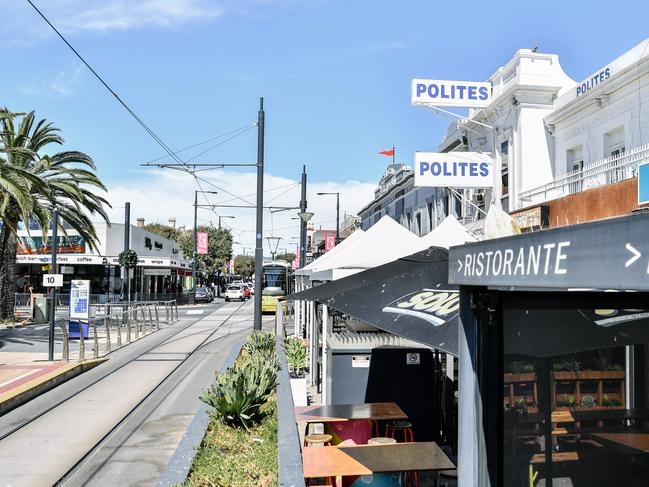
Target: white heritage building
(566, 151)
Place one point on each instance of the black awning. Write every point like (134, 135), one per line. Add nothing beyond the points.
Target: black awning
(409, 297)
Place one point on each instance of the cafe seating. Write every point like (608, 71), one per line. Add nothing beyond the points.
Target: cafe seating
(404, 427)
(324, 439)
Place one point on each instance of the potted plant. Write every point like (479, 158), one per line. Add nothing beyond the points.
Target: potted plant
(296, 357)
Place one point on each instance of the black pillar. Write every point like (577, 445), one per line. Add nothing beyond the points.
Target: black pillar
(302, 222)
(259, 251)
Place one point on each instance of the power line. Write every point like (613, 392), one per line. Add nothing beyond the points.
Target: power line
(247, 127)
(221, 143)
(110, 90)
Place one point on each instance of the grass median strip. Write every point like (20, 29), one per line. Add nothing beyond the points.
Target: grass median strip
(240, 446)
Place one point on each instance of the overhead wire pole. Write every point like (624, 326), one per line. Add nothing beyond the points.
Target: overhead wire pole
(259, 251)
(302, 222)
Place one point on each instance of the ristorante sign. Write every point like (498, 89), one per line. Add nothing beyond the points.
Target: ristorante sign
(608, 254)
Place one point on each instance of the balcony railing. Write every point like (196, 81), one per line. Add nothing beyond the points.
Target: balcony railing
(600, 173)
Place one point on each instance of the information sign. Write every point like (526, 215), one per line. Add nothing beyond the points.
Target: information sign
(52, 280)
(80, 299)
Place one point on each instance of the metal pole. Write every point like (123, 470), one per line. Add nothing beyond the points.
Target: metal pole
(53, 269)
(127, 245)
(192, 297)
(302, 222)
(259, 252)
(337, 218)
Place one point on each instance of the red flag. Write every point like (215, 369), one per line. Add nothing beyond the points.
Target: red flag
(387, 152)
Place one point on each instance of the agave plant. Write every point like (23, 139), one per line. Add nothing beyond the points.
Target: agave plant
(296, 356)
(33, 184)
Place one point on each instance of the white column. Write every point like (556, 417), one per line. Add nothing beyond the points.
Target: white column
(314, 342)
(325, 333)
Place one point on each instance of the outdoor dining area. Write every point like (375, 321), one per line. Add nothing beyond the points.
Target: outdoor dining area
(368, 444)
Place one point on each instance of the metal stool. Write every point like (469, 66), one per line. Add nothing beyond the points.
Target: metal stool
(381, 440)
(310, 440)
(404, 426)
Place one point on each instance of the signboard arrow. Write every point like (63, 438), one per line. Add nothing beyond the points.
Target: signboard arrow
(634, 251)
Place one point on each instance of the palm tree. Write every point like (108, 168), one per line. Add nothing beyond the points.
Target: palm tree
(31, 185)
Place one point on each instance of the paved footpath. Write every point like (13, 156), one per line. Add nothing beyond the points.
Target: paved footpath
(119, 423)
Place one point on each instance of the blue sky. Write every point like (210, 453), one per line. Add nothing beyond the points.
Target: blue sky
(335, 75)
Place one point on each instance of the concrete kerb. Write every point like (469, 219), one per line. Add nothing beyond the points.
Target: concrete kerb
(178, 467)
(29, 390)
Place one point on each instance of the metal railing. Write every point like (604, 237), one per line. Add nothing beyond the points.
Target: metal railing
(119, 324)
(605, 171)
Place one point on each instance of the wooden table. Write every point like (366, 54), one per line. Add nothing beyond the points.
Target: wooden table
(332, 461)
(632, 440)
(377, 411)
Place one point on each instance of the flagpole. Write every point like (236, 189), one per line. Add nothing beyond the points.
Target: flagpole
(393, 153)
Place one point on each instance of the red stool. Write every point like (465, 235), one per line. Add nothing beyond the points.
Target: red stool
(405, 427)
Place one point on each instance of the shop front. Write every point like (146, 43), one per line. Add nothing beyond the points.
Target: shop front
(554, 356)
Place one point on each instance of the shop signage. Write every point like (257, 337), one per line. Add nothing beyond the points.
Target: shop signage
(643, 183)
(436, 306)
(360, 361)
(454, 170)
(52, 280)
(79, 299)
(157, 272)
(201, 242)
(538, 217)
(448, 93)
(594, 81)
(608, 254)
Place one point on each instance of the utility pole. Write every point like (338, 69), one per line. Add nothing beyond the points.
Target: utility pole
(53, 270)
(337, 218)
(127, 244)
(192, 295)
(259, 251)
(302, 221)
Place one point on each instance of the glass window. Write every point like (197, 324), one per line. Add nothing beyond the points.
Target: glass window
(575, 169)
(575, 398)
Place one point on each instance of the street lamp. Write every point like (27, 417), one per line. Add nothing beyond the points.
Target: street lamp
(337, 215)
(224, 216)
(192, 296)
(273, 243)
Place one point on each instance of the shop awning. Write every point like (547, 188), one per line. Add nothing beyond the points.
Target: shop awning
(409, 297)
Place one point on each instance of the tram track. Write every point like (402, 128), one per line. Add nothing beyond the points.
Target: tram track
(169, 382)
(56, 404)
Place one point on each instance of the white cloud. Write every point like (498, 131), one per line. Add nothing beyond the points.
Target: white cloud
(159, 196)
(105, 15)
(61, 83)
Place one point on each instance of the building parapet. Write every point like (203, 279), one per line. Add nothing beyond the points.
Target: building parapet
(605, 171)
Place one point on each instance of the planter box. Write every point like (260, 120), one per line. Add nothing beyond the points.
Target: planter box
(589, 375)
(298, 389)
(526, 377)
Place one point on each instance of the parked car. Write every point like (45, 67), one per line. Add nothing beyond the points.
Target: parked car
(247, 291)
(235, 292)
(203, 295)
